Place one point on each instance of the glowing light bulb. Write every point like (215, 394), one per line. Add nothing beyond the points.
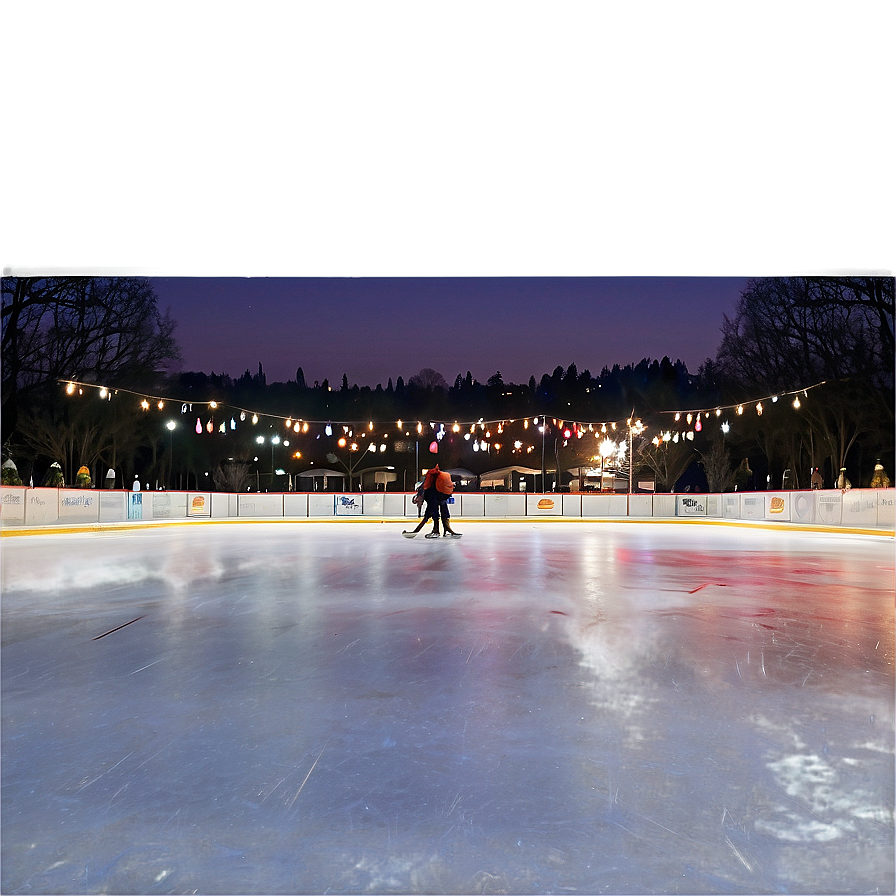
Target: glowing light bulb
(70, 388)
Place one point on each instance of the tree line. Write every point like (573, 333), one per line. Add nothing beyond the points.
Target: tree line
(786, 334)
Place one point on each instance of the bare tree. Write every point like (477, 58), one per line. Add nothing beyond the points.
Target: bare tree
(232, 475)
(668, 461)
(716, 464)
(80, 328)
(428, 378)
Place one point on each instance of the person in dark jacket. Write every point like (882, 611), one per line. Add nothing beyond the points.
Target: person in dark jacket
(437, 488)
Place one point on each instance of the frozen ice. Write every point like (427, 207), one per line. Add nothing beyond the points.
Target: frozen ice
(539, 707)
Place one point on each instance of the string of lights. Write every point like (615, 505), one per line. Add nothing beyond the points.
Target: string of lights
(685, 422)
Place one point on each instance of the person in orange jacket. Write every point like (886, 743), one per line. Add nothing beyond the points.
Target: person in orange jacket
(437, 488)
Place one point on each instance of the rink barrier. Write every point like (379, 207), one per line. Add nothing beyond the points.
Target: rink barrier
(855, 508)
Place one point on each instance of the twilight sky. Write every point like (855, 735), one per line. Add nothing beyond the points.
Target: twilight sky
(372, 329)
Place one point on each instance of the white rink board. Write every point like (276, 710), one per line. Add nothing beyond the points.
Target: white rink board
(225, 504)
(261, 505)
(859, 507)
(777, 506)
(321, 504)
(691, 505)
(604, 505)
(544, 505)
(167, 506)
(79, 505)
(41, 507)
(572, 505)
(885, 508)
(295, 504)
(13, 503)
(349, 505)
(372, 504)
(828, 507)
(802, 508)
(752, 506)
(472, 505)
(199, 504)
(113, 508)
(505, 505)
(640, 505)
(394, 504)
(731, 506)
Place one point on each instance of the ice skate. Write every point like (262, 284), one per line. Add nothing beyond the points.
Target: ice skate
(452, 534)
(432, 535)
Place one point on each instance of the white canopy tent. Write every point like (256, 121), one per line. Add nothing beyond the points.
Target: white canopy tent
(321, 473)
(503, 476)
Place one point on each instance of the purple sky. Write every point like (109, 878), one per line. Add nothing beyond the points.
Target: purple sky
(374, 329)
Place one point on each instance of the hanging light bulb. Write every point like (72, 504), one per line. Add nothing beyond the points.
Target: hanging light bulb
(525, 424)
(698, 425)
(144, 404)
(232, 423)
(475, 446)
(210, 425)
(740, 409)
(725, 427)
(103, 392)
(222, 427)
(341, 442)
(718, 412)
(198, 425)
(213, 404)
(796, 402)
(675, 439)
(328, 429)
(70, 388)
(677, 416)
(399, 424)
(774, 398)
(690, 436)
(255, 418)
(419, 428)
(242, 415)
(759, 408)
(455, 428)
(689, 418)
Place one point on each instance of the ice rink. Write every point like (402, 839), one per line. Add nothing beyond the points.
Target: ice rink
(538, 707)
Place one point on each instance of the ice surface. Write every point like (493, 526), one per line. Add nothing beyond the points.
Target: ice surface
(539, 707)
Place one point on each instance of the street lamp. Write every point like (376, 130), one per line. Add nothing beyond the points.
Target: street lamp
(275, 440)
(171, 425)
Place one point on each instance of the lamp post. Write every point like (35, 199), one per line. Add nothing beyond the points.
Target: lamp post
(171, 425)
(275, 440)
(635, 428)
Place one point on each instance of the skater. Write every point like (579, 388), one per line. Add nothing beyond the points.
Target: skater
(437, 487)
